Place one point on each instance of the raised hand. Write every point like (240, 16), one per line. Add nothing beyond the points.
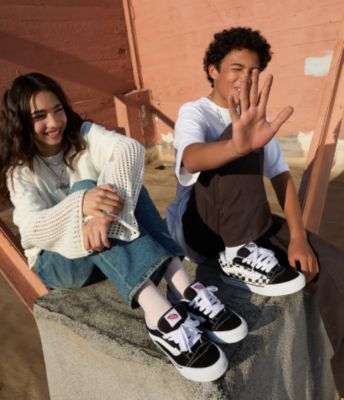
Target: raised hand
(100, 199)
(251, 130)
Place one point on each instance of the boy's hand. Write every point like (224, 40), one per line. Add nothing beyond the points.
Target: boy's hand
(300, 251)
(102, 198)
(251, 130)
(95, 233)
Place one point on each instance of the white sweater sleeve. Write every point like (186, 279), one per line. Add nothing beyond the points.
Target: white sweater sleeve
(58, 228)
(45, 225)
(119, 160)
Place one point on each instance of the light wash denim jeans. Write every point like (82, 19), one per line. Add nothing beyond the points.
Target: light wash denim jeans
(127, 265)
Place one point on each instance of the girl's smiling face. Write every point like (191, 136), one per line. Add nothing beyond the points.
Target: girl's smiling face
(49, 122)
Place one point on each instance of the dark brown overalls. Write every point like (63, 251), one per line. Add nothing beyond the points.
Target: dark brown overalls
(228, 207)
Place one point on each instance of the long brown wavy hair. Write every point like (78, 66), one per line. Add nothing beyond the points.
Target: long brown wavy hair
(17, 144)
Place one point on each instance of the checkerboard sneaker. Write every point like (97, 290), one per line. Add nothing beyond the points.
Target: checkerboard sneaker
(219, 323)
(190, 351)
(257, 269)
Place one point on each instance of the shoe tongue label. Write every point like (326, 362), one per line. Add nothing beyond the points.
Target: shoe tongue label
(246, 250)
(197, 286)
(251, 246)
(172, 318)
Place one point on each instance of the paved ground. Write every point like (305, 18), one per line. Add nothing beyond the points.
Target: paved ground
(22, 374)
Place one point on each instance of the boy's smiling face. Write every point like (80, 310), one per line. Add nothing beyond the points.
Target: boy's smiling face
(235, 67)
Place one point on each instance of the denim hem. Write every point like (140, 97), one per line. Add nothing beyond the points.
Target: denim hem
(109, 263)
(40, 268)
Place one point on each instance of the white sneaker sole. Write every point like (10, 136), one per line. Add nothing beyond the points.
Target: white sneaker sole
(278, 289)
(232, 336)
(207, 374)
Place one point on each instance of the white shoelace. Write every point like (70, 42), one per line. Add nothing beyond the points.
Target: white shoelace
(261, 259)
(207, 302)
(186, 335)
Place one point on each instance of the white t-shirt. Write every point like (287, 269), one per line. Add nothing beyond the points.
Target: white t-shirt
(202, 121)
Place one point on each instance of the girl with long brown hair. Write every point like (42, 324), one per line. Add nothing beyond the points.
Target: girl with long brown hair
(82, 212)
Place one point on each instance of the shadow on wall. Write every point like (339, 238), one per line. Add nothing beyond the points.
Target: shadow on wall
(332, 224)
(50, 61)
(322, 161)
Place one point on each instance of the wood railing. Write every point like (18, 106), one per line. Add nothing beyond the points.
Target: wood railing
(329, 125)
(14, 268)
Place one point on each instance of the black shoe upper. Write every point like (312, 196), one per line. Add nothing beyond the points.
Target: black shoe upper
(225, 320)
(202, 354)
(278, 274)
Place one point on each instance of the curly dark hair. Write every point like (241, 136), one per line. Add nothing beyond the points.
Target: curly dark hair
(17, 142)
(236, 38)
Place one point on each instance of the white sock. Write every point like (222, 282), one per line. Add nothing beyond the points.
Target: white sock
(231, 252)
(153, 303)
(177, 278)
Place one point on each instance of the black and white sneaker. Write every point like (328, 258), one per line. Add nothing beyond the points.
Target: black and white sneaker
(257, 269)
(190, 351)
(219, 323)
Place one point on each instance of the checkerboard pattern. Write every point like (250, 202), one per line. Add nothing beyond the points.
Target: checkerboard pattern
(227, 268)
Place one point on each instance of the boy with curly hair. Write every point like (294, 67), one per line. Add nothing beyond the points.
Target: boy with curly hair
(224, 146)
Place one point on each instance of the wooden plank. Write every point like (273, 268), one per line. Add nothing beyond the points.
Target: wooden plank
(140, 117)
(14, 268)
(314, 184)
(129, 16)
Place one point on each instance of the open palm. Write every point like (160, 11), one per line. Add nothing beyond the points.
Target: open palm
(251, 130)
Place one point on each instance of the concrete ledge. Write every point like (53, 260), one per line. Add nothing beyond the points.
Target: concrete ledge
(95, 347)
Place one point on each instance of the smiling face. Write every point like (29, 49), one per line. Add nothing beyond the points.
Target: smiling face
(236, 66)
(49, 122)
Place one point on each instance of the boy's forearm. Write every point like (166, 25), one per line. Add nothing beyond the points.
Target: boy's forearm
(287, 196)
(206, 156)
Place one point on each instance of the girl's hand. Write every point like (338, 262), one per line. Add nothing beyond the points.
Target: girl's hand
(300, 251)
(100, 199)
(251, 130)
(95, 233)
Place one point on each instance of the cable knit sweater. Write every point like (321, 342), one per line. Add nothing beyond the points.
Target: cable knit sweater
(50, 220)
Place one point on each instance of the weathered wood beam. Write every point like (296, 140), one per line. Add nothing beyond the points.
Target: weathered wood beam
(140, 116)
(329, 125)
(14, 268)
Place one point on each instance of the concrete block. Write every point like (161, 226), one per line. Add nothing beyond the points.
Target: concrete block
(95, 347)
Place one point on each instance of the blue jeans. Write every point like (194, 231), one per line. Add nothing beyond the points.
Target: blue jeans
(127, 265)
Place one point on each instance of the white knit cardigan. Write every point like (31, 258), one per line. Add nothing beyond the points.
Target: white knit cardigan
(50, 220)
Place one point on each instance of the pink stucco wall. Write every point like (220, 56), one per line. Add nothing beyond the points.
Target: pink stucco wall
(82, 44)
(173, 35)
(85, 45)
